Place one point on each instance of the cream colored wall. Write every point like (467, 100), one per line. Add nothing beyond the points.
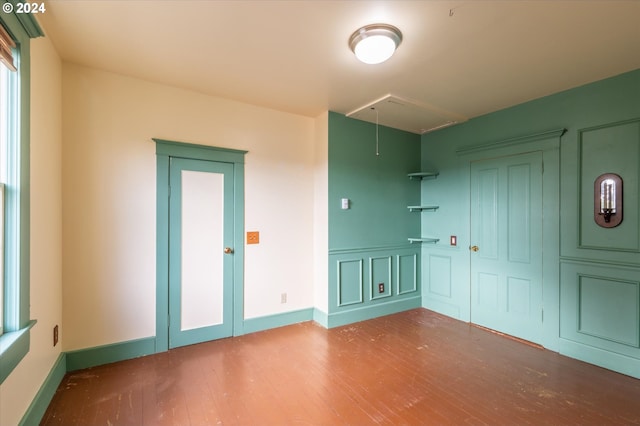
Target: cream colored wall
(109, 185)
(321, 213)
(278, 204)
(19, 389)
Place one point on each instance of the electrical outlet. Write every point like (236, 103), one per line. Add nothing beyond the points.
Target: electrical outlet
(283, 298)
(453, 240)
(55, 335)
(380, 287)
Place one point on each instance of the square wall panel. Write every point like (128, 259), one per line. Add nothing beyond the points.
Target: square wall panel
(350, 282)
(613, 148)
(440, 275)
(608, 309)
(380, 276)
(407, 273)
(600, 306)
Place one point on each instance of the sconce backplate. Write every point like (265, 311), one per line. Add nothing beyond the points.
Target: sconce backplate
(607, 216)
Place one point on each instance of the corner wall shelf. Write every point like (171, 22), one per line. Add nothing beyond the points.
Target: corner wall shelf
(424, 240)
(422, 208)
(422, 175)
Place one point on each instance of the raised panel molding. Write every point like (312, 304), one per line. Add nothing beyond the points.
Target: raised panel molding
(519, 296)
(600, 307)
(488, 192)
(519, 225)
(440, 275)
(349, 282)
(407, 273)
(610, 148)
(355, 274)
(380, 273)
(487, 291)
(608, 309)
(352, 270)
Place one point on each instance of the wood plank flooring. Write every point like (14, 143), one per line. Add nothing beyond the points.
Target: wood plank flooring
(411, 368)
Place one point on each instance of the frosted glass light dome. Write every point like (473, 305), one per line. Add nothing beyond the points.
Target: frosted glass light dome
(374, 44)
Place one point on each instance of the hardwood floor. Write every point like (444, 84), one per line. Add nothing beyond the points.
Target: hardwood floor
(411, 368)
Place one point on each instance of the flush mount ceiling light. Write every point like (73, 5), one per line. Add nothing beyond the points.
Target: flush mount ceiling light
(375, 43)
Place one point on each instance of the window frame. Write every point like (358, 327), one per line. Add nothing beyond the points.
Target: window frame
(2, 246)
(15, 340)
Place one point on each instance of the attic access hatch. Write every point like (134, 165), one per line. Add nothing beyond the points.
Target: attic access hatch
(406, 114)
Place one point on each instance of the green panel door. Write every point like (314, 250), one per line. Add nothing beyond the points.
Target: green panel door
(200, 251)
(506, 236)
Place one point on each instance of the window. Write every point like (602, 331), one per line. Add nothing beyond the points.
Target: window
(8, 122)
(3, 178)
(15, 321)
(2, 244)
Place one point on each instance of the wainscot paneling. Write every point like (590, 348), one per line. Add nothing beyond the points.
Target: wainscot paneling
(349, 282)
(379, 277)
(445, 286)
(600, 310)
(388, 284)
(407, 277)
(440, 275)
(611, 148)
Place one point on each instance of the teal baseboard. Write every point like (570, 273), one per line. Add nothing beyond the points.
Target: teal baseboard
(616, 362)
(91, 357)
(444, 308)
(321, 317)
(39, 405)
(85, 358)
(345, 317)
(253, 325)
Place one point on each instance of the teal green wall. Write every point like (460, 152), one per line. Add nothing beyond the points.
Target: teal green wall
(368, 243)
(592, 301)
(377, 185)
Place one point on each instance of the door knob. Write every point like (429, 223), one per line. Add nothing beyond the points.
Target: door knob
(474, 248)
(228, 250)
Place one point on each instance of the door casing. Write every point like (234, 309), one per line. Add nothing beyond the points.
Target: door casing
(165, 150)
(506, 227)
(549, 143)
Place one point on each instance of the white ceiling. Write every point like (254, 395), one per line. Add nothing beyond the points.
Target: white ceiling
(458, 58)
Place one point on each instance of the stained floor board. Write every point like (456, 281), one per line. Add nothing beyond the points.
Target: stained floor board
(411, 368)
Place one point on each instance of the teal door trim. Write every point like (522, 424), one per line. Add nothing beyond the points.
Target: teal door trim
(506, 224)
(165, 150)
(549, 144)
(504, 143)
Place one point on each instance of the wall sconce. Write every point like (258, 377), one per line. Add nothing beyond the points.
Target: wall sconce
(607, 200)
